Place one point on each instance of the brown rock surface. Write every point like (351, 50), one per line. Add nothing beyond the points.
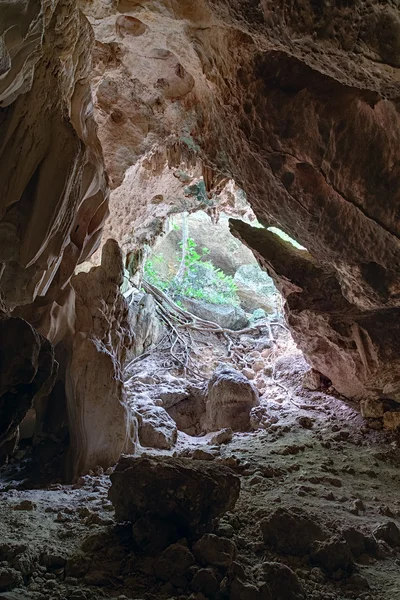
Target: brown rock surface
(298, 104)
(98, 414)
(143, 487)
(230, 398)
(54, 196)
(357, 348)
(28, 370)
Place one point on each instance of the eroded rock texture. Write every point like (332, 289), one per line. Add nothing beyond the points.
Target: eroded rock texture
(53, 197)
(28, 371)
(230, 398)
(358, 350)
(297, 102)
(187, 494)
(98, 416)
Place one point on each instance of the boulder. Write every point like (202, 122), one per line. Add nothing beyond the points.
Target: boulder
(227, 316)
(189, 413)
(255, 289)
(312, 380)
(389, 533)
(230, 398)
(371, 409)
(205, 581)
(152, 535)
(222, 437)
(332, 554)
(173, 564)
(391, 420)
(291, 530)
(156, 428)
(214, 550)
(225, 252)
(358, 542)
(189, 494)
(281, 582)
(9, 579)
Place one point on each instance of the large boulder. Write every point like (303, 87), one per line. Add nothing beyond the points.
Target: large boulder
(226, 316)
(225, 252)
(281, 582)
(291, 530)
(156, 429)
(188, 494)
(189, 413)
(230, 398)
(255, 289)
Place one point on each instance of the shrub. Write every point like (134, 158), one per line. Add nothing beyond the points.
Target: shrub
(201, 279)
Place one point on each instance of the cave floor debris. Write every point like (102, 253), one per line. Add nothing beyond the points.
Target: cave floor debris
(62, 543)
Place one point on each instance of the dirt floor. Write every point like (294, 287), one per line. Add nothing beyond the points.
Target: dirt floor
(62, 542)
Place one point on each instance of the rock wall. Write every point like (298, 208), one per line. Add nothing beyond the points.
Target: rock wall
(358, 350)
(98, 416)
(53, 203)
(54, 195)
(297, 101)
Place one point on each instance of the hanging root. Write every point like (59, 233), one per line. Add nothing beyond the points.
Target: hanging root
(180, 324)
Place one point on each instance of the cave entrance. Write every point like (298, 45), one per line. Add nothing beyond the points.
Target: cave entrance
(211, 342)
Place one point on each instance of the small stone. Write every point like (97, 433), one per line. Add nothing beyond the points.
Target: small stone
(305, 422)
(371, 409)
(9, 579)
(268, 369)
(356, 541)
(281, 582)
(173, 563)
(256, 480)
(332, 555)
(205, 581)
(391, 420)
(291, 530)
(200, 454)
(214, 550)
(258, 365)
(222, 437)
(359, 505)
(225, 530)
(249, 373)
(389, 533)
(25, 505)
(312, 380)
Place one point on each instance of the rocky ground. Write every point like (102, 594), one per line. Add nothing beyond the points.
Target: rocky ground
(318, 493)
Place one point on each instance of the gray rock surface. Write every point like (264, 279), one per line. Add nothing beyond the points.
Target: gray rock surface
(230, 398)
(226, 252)
(230, 317)
(255, 288)
(156, 428)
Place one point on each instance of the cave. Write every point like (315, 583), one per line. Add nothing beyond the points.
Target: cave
(166, 432)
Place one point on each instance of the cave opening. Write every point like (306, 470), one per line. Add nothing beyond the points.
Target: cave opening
(199, 300)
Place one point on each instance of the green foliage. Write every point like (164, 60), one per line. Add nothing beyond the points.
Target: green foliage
(151, 273)
(202, 280)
